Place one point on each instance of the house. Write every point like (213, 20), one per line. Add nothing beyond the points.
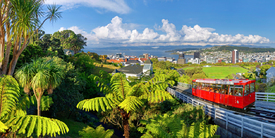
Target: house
(135, 70)
(270, 74)
(132, 62)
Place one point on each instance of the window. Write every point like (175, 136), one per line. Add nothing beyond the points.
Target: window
(252, 87)
(218, 88)
(238, 90)
(194, 85)
(202, 86)
(212, 87)
(199, 85)
(231, 89)
(224, 89)
(246, 90)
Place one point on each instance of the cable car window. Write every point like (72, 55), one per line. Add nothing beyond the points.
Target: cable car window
(194, 85)
(252, 87)
(218, 88)
(238, 90)
(213, 87)
(246, 90)
(232, 88)
(199, 85)
(225, 89)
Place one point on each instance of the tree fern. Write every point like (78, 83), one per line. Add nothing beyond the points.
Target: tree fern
(42, 125)
(131, 103)
(120, 85)
(99, 132)
(128, 99)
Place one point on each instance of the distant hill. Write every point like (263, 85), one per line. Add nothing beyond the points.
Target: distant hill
(244, 49)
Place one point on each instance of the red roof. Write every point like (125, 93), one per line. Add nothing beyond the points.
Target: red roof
(115, 61)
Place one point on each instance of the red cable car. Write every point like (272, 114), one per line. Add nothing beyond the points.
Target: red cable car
(235, 93)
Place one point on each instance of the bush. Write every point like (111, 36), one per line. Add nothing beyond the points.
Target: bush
(99, 132)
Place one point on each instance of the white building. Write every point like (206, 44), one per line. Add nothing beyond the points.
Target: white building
(270, 74)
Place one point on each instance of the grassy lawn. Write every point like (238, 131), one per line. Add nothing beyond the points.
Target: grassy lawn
(106, 67)
(74, 127)
(221, 72)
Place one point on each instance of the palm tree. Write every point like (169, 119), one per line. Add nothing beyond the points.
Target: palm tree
(19, 20)
(127, 99)
(40, 75)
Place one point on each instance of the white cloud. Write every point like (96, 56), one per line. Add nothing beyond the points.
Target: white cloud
(118, 6)
(119, 33)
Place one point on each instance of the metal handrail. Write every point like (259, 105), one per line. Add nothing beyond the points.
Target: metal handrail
(258, 127)
(264, 96)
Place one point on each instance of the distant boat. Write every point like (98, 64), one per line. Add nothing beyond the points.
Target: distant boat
(155, 47)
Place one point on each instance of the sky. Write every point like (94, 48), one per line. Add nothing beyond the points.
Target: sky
(107, 23)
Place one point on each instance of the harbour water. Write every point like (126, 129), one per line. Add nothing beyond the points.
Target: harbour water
(159, 53)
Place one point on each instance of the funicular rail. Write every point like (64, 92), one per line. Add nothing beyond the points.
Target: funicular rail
(265, 100)
(251, 124)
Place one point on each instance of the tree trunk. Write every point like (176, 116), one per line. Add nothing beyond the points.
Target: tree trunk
(13, 64)
(6, 59)
(125, 117)
(38, 105)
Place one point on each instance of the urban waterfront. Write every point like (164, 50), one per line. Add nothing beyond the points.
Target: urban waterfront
(159, 53)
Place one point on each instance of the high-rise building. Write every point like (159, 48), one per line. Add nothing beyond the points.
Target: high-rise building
(181, 59)
(181, 56)
(196, 55)
(235, 56)
(146, 55)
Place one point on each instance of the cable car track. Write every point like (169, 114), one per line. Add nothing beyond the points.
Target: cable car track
(250, 112)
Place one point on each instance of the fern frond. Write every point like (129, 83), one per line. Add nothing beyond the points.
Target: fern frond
(94, 104)
(3, 127)
(9, 93)
(120, 85)
(138, 90)
(131, 103)
(42, 125)
(157, 96)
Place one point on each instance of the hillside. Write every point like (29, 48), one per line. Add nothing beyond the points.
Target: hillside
(239, 48)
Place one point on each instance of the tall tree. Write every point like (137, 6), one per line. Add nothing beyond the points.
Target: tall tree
(70, 40)
(127, 99)
(40, 75)
(19, 20)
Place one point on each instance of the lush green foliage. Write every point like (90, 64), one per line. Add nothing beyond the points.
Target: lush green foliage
(185, 79)
(83, 62)
(41, 125)
(128, 99)
(186, 121)
(264, 68)
(16, 119)
(99, 132)
(251, 76)
(70, 40)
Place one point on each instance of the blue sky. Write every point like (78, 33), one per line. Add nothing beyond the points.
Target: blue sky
(168, 22)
